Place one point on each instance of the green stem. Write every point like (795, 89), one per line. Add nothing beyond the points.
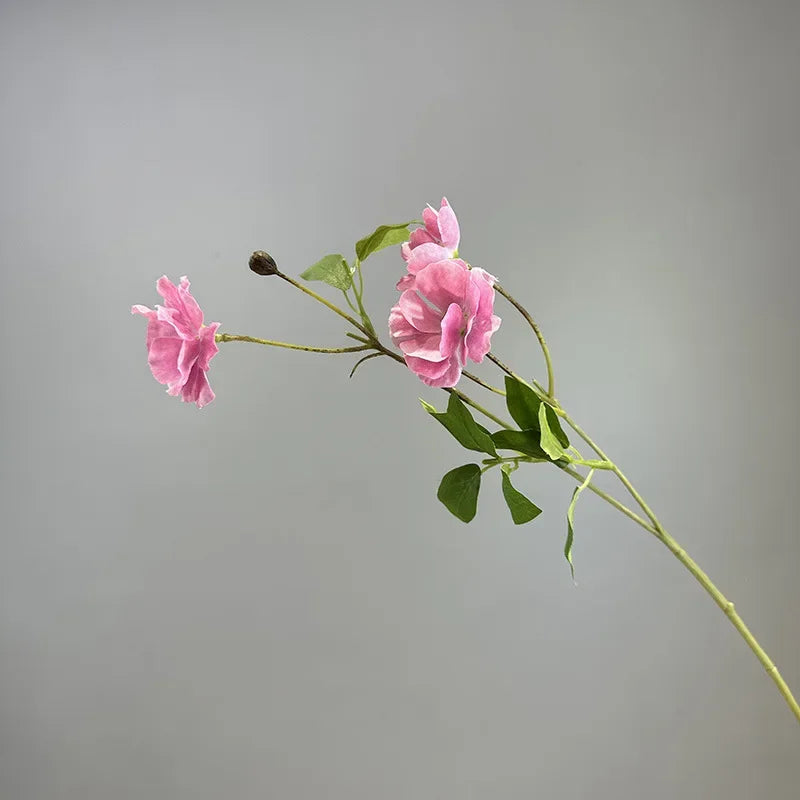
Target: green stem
(700, 576)
(589, 462)
(609, 499)
(545, 350)
(231, 337)
(349, 302)
(730, 612)
(336, 310)
(483, 383)
(359, 293)
(470, 402)
(536, 387)
(654, 526)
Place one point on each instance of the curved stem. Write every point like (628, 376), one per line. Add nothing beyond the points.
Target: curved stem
(551, 401)
(590, 462)
(610, 500)
(730, 612)
(336, 310)
(232, 337)
(654, 526)
(483, 383)
(470, 402)
(700, 576)
(542, 343)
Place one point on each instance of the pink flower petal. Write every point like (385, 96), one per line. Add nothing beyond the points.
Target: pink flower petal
(442, 375)
(426, 254)
(419, 314)
(452, 330)
(425, 345)
(400, 328)
(179, 346)
(163, 360)
(489, 278)
(188, 315)
(197, 389)
(445, 313)
(443, 282)
(208, 347)
(431, 220)
(448, 226)
(406, 282)
(421, 236)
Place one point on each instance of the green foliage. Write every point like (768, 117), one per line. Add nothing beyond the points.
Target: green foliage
(462, 426)
(547, 438)
(526, 442)
(531, 414)
(522, 510)
(571, 521)
(459, 491)
(332, 269)
(522, 404)
(382, 236)
(555, 426)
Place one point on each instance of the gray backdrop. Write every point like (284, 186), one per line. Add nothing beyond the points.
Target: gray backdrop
(264, 598)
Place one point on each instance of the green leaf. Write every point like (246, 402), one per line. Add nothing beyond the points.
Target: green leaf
(522, 404)
(522, 510)
(570, 521)
(382, 236)
(462, 426)
(333, 269)
(555, 426)
(459, 491)
(525, 407)
(549, 441)
(526, 442)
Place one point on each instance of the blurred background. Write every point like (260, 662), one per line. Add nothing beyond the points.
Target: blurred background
(265, 598)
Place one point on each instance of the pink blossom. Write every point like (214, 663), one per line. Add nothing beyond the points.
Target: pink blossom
(437, 241)
(443, 320)
(179, 346)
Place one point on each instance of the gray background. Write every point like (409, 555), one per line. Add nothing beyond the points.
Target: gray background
(264, 598)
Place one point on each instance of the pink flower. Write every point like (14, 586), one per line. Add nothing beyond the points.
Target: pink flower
(443, 320)
(179, 346)
(437, 241)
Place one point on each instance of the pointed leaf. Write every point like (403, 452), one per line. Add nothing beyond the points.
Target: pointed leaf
(522, 510)
(548, 439)
(570, 521)
(555, 426)
(526, 442)
(522, 404)
(462, 426)
(459, 491)
(333, 269)
(382, 236)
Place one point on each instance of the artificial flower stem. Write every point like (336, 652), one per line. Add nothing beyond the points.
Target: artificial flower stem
(551, 401)
(700, 576)
(660, 533)
(609, 499)
(568, 470)
(358, 338)
(327, 303)
(542, 343)
(730, 612)
(470, 402)
(349, 301)
(231, 337)
(593, 463)
(359, 293)
(483, 383)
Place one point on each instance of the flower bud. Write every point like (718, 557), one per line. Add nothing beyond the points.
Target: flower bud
(263, 263)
